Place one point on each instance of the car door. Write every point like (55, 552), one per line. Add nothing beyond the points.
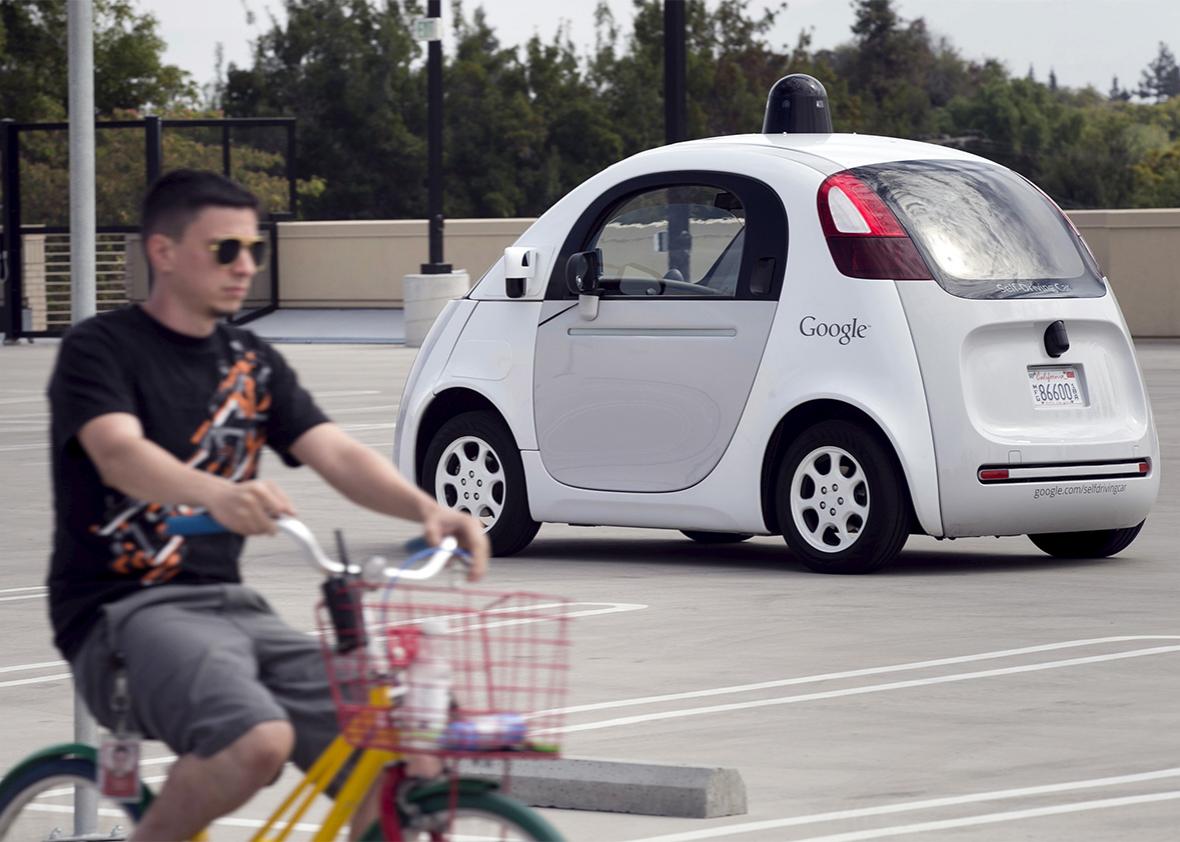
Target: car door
(646, 395)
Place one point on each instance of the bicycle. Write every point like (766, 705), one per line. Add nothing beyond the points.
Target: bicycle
(508, 658)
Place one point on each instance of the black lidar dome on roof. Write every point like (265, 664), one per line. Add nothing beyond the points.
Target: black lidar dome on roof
(798, 104)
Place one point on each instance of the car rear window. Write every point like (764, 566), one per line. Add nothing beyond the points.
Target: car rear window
(985, 231)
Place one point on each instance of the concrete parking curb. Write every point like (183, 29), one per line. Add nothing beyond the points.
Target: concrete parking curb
(651, 789)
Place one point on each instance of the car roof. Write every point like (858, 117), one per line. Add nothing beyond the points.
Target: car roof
(828, 153)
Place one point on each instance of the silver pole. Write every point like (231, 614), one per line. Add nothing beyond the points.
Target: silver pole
(85, 797)
(83, 289)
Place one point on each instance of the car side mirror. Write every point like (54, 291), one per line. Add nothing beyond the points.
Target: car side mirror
(583, 271)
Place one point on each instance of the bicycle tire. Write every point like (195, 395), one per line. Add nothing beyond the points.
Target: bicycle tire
(475, 813)
(20, 816)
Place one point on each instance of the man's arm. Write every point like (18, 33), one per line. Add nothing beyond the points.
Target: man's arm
(370, 481)
(130, 463)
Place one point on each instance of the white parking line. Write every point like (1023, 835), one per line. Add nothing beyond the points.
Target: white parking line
(858, 691)
(993, 818)
(347, 394)
(42, 680)
(41, 595)
(926, 804)
(12, 448)
(114, 814)
(352, 428)
(37, 666)
(354, 409)
(17, 590)
(858, 673)
(596, 609)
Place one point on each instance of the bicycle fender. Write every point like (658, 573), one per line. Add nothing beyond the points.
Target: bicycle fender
(62, 750)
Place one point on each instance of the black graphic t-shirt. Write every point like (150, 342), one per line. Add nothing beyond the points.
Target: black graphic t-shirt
(211, 402)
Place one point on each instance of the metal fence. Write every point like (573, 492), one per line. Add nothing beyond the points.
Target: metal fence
(35, 260)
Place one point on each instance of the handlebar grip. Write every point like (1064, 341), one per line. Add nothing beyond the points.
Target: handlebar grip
(417, 545)
(190, 525)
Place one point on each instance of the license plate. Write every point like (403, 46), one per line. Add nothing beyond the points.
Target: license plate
(1056, 385)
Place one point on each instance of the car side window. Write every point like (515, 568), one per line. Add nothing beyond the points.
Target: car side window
(680, 241)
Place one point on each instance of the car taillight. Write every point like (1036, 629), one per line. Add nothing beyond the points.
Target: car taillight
(864, 236)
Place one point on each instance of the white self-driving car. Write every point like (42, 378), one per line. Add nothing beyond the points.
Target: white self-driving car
(841, 339)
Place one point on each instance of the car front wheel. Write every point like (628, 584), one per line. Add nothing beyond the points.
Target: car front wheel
(841, 500)
(1098, 543)
(472, 465)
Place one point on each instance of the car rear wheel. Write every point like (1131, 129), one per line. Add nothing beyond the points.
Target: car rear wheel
(841, 500)
(716, 537)
(1099, 543)
(472, 465)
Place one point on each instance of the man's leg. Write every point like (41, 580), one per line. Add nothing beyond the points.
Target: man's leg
(201, 789)
(193, 681)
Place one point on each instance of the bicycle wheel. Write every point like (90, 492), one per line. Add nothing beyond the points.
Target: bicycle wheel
(38, 805)
(486, 816)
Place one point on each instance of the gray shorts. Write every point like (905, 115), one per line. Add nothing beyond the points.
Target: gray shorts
(205, 664)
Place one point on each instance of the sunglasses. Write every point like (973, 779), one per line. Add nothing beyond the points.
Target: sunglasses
(227, 249)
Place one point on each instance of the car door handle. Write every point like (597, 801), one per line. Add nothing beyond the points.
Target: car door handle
(660, 332)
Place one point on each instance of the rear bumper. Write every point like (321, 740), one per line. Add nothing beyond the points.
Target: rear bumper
(1051, 504)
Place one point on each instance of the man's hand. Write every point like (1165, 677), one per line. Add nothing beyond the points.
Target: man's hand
(249, 508)
(440, 523)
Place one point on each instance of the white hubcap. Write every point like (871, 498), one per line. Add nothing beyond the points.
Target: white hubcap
(830, 499)
(470, 478)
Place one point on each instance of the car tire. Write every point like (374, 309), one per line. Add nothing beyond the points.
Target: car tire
(716, 537)
(480, 445)
(863, 525)
(1099, 543)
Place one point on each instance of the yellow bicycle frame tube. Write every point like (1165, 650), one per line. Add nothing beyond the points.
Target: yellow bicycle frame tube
(361, 779)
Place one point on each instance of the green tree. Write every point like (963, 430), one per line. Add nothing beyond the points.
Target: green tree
(343, 69)
(1161, 78)
(129, 68)
(1117, 93)
(578, 136)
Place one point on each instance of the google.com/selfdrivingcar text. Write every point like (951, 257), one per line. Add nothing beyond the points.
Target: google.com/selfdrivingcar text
(1089, 488)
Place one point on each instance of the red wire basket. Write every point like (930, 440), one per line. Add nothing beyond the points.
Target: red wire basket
(499, 690)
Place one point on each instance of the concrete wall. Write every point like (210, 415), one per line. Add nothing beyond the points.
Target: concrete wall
(1140, 252)
(361, 264)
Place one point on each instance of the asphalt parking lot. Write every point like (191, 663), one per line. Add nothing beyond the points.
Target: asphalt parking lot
(974, 690)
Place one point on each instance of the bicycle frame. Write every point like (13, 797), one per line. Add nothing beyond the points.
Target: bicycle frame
(369, 766)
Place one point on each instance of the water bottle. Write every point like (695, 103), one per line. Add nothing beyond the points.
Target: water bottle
(486, 732)
(427, 700)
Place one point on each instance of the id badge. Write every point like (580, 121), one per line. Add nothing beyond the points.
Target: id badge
(118, 768)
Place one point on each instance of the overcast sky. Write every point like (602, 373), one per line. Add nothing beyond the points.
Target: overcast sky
(1083, 41)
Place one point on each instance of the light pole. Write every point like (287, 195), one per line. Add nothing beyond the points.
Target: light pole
(676, 130)
(426, 294)
(434, 146)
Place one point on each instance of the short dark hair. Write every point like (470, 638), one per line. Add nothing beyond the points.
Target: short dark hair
(175, 198)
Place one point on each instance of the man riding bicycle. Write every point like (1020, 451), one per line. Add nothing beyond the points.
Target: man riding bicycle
(163, 408)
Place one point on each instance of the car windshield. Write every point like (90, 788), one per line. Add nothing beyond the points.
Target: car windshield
(986, 232)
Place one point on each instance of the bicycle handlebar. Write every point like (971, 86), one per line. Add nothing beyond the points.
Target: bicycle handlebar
(190, 525)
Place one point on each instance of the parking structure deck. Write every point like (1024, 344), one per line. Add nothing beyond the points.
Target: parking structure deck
(974, 690)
